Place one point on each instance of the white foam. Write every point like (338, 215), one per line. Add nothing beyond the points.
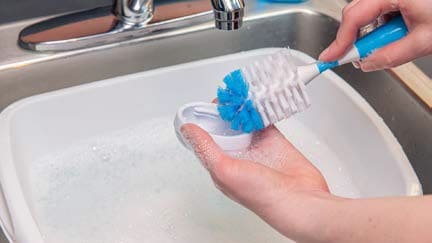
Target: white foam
(140, 185)
(322, 156)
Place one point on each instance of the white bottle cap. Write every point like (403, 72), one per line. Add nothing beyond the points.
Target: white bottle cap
(206, 116)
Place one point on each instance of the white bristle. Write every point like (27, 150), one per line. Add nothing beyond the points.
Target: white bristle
(285, 103)
(261, 110)
(293, 104)
(269, 111)
(304, 94)
(275, 87)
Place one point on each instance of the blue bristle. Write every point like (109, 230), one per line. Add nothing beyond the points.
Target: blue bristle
(231, 85)
(224, 96)
(243, 116)
(254, 116)
(236, 83)
(248, 126)
(237, 100)
(228, 112)
(237, 76)
(235, 123)
(234, 105)
(247, 123)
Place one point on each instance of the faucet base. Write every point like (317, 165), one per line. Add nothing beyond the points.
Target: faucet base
(100, 26)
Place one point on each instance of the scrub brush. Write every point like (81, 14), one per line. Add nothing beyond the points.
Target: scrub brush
(273, 89)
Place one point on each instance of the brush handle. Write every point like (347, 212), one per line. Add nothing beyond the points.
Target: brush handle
(388, 33)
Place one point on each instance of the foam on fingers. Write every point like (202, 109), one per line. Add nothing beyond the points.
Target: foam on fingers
(203, 145)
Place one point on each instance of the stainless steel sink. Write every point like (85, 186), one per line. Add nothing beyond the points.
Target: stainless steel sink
(308, 27)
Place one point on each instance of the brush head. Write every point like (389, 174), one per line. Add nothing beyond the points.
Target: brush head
(263, 93)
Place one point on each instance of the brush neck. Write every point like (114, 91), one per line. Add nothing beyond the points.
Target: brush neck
(351, 56)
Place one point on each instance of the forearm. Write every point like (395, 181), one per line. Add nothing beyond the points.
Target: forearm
(403, 219)
(291, 195)
(320, 217)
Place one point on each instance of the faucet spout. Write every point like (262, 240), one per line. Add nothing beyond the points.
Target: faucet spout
(228, 14)
(134, 12)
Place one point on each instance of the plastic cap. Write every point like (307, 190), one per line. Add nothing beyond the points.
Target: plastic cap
(206, 116)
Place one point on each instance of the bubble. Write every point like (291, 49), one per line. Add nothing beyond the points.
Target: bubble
(139, 184)
(105, 157)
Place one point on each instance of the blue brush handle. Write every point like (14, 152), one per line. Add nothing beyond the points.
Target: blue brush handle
(388, 33)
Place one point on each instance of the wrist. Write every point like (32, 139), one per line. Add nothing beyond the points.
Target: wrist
(316, 219)
(326, 220)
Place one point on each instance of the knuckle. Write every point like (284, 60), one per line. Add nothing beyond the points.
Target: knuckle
(338, 43)
(224, 171)
(347, 12)
(401, 4)
(426, 39)
(388, 60)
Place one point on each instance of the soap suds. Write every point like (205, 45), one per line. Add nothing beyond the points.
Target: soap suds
(136, 185)
(140, 185)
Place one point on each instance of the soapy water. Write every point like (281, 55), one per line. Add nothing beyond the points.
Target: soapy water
(141, 185)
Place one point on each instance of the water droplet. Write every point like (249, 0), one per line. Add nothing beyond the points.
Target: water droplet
(149, 212)
(105, 157)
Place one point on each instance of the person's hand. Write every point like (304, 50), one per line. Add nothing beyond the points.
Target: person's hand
(272, 178)
(275, 181)
(418, 18)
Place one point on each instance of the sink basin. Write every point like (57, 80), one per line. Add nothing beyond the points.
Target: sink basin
(308, 27)
(101, 163)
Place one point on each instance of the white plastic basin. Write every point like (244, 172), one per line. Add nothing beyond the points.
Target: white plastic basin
(101, 162)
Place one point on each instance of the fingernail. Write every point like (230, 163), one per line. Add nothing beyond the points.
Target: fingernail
(368, 66)
(324, 53)
(356, 64)
(186, 137)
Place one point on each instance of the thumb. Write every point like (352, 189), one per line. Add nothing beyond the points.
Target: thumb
(355, 15)
(249, 183)
(203, 145)
(264, 191)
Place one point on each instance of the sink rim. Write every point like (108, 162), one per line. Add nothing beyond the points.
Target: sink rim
(15, 57)
(22, 207)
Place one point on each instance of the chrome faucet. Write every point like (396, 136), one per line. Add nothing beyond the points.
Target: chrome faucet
(228, 14)
(128, 20)
(135, 12)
